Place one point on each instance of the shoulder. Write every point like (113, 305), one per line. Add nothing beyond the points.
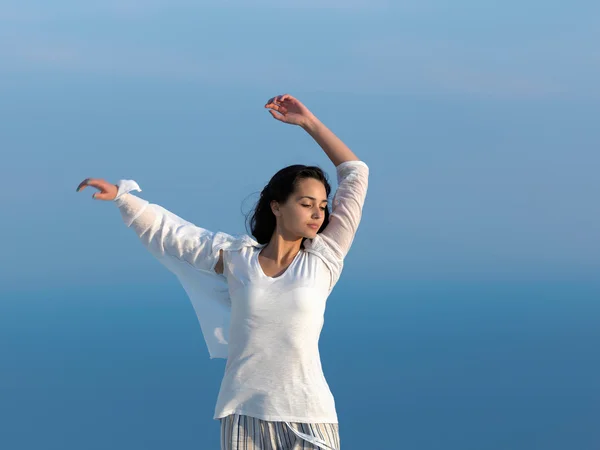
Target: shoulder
(223, 242)
(325, 249)
(351, 169)
(227, 242)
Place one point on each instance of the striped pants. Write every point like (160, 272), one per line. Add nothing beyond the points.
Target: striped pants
(239, 432)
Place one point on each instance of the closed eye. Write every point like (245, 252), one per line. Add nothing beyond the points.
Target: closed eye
(308, 206)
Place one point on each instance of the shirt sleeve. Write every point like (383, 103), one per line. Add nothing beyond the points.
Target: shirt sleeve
(164, 233)
(334, 242)
(346, 210)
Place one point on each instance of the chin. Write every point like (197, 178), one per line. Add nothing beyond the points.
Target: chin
(311, 234)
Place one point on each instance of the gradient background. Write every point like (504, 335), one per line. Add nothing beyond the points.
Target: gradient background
(467, 315)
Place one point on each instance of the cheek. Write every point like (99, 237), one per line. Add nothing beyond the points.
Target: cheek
(293, 216)
(301, 213)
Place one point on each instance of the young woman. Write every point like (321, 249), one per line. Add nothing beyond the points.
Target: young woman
(261, 301)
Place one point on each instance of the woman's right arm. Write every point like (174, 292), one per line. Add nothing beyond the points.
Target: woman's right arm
(161, 231)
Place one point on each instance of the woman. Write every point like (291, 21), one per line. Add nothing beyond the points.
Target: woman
(261, 302)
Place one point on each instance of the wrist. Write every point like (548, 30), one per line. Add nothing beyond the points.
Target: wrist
(311, 124)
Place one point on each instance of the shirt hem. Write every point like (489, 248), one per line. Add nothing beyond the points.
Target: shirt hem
(275, 418)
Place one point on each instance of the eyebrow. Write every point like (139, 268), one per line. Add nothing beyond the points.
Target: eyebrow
(312, 198)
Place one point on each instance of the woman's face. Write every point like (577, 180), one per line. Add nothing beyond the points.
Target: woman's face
(304, 207)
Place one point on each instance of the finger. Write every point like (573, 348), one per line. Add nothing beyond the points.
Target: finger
(82, 185)
(271, 100)
(94, 182)
(280, 108)
(277, 99)
(289, 100)
(100, 196)
(97, 183)
(277, 116)
(285, 97)
(274, 102)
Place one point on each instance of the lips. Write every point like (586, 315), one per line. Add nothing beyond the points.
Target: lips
(314, 226)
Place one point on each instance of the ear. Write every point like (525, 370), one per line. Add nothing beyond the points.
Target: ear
(275, 208)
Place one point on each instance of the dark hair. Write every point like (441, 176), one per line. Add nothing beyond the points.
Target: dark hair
(279, 188)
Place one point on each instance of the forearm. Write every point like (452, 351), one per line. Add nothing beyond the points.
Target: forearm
(166, 235)
(336, 150)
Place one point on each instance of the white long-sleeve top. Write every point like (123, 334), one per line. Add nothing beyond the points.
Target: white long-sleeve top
(268, 328)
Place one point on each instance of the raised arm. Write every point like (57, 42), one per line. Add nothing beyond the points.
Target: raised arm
(163, 233)
(334, 242)
(346, 210)
(288, 109)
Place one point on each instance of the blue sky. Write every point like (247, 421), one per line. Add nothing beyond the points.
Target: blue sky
(470, 292)
(478, 121)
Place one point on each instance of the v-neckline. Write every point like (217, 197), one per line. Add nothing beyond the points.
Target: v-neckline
(262, 272)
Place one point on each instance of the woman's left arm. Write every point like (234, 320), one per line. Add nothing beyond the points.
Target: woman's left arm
(288, 109)
(352, 177)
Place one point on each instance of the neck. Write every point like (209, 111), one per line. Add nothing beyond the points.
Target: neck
(280, 249)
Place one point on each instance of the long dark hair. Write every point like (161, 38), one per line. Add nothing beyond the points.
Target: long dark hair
(279, 188)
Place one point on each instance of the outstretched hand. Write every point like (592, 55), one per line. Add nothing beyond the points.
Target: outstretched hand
(288, 109)
(107, 190)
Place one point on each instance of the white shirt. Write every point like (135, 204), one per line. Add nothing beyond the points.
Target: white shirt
(273, 369)
(267, 328)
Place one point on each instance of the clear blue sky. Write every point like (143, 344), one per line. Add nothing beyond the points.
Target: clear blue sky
(466, 313)
(479, 122)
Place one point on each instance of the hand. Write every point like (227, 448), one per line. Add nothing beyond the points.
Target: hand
(107, 192)
(288, 109)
